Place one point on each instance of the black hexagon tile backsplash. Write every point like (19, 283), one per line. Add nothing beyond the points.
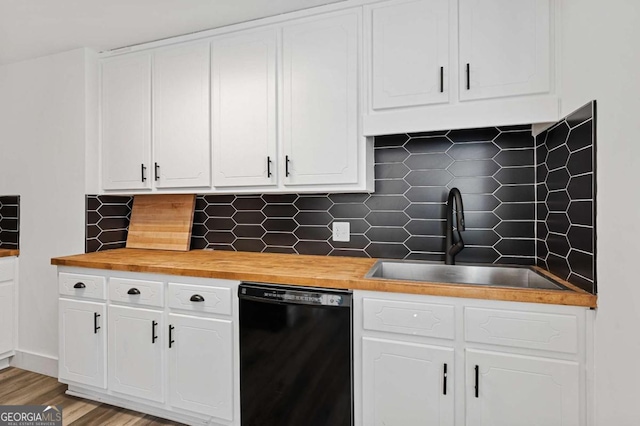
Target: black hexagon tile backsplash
(10, 222)
(566, 199)
(404, 218)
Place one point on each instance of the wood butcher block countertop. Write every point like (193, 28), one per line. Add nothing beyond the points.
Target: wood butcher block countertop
(8, 252)
(317, 271)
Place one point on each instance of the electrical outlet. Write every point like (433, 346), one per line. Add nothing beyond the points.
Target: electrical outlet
(341, 231)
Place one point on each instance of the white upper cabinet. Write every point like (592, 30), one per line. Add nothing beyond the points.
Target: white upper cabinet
(410, 53)
(504, 48)
(126, 122)
(243, 78)
(181, 117)
(320, 100)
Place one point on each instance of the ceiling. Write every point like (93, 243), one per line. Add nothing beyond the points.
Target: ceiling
(34, 28)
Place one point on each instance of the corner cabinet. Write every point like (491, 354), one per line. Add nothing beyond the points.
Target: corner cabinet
(8, 303)
(452, 361)
(162, 345)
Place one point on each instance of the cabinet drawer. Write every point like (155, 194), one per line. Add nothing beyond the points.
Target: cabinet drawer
(7, 268)
(137, 292)
(89, 286)
(215, 300)
(531, 330)
(418, 319)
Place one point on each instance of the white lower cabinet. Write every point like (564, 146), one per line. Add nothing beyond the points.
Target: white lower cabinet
(7, 308)
(508, 363)
(405, 383)
(136, 352)
(170, 357)
(201, 365)
(510, 389)
(82, 357)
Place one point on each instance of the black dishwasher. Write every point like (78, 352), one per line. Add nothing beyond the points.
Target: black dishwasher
(295, 356)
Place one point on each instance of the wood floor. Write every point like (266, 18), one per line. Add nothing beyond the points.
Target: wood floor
(20, 387)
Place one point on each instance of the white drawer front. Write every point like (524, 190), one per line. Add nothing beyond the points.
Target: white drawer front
(80, 285)
(137, 292)
(217, 300)
(551, 332)
(7, 267)
(419, 319)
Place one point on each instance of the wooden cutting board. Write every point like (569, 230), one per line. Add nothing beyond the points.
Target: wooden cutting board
(161, 222)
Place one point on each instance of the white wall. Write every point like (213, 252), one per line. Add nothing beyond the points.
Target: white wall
(601, 60)
(42, 146)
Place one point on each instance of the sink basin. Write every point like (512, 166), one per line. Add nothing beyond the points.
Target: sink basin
(501, 276)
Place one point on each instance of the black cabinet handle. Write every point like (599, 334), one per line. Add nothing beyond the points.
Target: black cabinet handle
(95, 322)
(171, 341)
(197, 298)
(477, 380)
(286, 166)
(444, 382)
(441, 79)
(133, 291)
(468, 77)
(142, 170)
(268, 166)
(157, 171)
(79, 285)
(153, 331)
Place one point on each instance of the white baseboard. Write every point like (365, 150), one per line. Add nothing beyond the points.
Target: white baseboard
(4, 363)
(38, 363)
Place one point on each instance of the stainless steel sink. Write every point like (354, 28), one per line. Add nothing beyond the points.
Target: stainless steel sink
(501, 276)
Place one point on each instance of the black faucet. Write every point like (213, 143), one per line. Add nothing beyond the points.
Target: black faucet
(451, 248)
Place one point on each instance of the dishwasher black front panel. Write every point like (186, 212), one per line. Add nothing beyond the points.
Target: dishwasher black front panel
(295, 357)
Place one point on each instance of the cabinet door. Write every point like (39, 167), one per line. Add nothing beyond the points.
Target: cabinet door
(83, 338)
(521, 390)
(7, 311)
(135, 355)
(126, 122)
(403, 384)
(181, 117)
(201, 365)
(506, 44)
(243, 76)
(410, 53)
(320, 103)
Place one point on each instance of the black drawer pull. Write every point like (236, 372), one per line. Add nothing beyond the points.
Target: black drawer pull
(441, 79)
(142, 169)
(197, 298)
(477, 381)
(286, 166)
(157, 171)
(153, 331)
(133, 291)
(79, 285)
(468, 77)
(171, 341)
(268, 166)
(95, 322)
